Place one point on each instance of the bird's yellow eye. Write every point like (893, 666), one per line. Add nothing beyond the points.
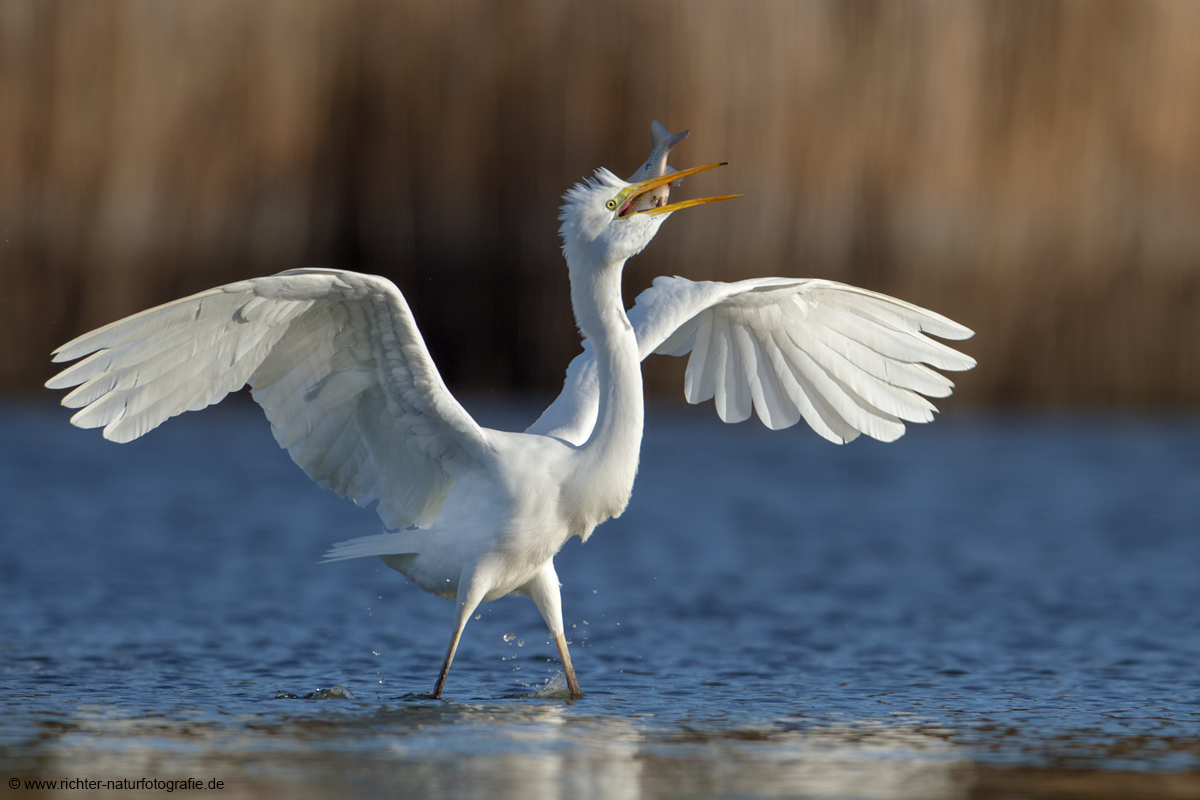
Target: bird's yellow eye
(611, 204)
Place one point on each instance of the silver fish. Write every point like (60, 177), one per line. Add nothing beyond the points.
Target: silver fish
(656, 165)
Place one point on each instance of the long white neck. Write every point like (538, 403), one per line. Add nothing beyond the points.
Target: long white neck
(606, 464)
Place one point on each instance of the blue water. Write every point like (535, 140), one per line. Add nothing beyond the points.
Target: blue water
(773, 615)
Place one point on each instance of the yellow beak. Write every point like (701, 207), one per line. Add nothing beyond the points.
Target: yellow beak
(630, 193)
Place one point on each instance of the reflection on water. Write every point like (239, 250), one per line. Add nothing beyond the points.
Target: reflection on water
(514, 750)
(987, 608)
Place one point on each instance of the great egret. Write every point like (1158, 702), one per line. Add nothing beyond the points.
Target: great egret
(336, 361)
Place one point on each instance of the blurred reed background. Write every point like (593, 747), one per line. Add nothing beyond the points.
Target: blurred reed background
(1027, 167)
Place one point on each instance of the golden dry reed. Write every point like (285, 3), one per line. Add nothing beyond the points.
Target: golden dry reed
(1027, 167)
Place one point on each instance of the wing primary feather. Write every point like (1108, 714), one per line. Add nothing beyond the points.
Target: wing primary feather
(719, 347)
(827, 397)
(912, 316)
(783, 411)
(887, 397)
(730, 379)
(698, 383)
(134, 327)
(822, 419)
(897, 344)
(907, 375)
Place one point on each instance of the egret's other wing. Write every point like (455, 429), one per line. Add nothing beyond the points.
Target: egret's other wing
(846, 360)
(334, 358)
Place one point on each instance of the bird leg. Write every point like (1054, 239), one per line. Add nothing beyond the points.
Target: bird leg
(568, 670)
(543, 590)
(441, 681)
(470, 594)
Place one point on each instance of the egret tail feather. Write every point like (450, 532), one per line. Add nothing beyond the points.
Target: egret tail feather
(383, 544)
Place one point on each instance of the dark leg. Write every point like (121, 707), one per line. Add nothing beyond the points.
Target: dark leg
(543, 589)
(470, 594)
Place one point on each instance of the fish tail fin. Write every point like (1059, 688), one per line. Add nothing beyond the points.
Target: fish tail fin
(663, 137)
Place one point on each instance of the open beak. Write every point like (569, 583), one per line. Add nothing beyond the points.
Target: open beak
(629, 195)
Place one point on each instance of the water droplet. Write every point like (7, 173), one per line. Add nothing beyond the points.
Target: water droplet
(520, 643)
(508, 637)
(374, 652)
(593, 591)
(478, 616)
(585, 622)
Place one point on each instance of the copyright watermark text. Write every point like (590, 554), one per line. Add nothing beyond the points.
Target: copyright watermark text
(126, 785)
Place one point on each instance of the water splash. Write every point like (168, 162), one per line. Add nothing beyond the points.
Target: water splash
(555, 689)
(334, 692)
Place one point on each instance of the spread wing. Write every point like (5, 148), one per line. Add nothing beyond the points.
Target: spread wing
(334, 358)
(846, 360)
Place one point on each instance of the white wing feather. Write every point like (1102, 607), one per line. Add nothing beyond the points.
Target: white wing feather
(335, 360)
(846, 360)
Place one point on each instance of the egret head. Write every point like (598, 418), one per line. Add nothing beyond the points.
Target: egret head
(607, 220)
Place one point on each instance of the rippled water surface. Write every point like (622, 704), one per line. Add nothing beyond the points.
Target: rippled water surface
(990, 607)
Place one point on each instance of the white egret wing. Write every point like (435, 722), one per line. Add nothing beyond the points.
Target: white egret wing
(333, 357)
(846, 360)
